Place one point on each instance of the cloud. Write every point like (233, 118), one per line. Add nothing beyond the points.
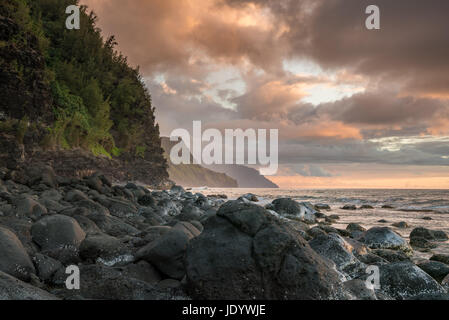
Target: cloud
(394, 79)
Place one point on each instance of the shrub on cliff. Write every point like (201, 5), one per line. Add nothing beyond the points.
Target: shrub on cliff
(73, 83)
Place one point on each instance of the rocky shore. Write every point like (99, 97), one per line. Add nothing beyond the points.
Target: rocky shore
(133, 243)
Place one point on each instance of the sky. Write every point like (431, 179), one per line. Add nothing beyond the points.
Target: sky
(355, 108)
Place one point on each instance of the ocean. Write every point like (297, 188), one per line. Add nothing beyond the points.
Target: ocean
(410, 206)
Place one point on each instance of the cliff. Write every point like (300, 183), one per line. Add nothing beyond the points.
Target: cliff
(192, 175)
(66, 90)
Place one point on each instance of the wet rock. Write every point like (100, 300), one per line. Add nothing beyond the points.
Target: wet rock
(403, 280)
(355, 230)
(391, 255)
(14, 289)
(230, 260)
(106, 283)
(119, 208)
(385, 238)
(28, 207)
(435, 269)
(359, 290)
(177, 190)
(146, 200)
(422, 243)
(322, 206)
(75, 195)
(57, 231)
(444, 258)
(250, 197)
(245, 216)
(102, 246)
(14, 259)
(433, 235)
(401, 225)
(290, 207)
(166, 253)
(189, 213)
(335, 248)
(142, 271)
(46, 266)
(316, 232)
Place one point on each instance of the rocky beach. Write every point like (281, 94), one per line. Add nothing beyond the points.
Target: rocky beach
(133, 243)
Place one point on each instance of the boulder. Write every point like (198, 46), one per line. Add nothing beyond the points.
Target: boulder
(322, 206)
(246, 216)
(422, 244)
(444, 258)
(14, 289)
(435, 269)
(103, 247)
(359, 290)
(189, 213)
(349, 207)
(166, 253)
(289, 207)
(335, 248)
(146, 200)
(401, 225)
(28, 207)
(57, 231)
(119, 208)
(46, 266)
(433, 235)
(385, 238)
(14, 259)
(404, 280)
(250, 197)
(259, 258)
(355, 230)
(391, 255)
(107, 283)
(177, 190)
(75, 195)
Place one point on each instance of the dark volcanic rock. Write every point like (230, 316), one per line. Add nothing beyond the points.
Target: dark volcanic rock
(57, 231)
(435, 269)
(385, 238)
(14, 259)
(290, 207)
(349, 207)
(14, 289)
(391, 255)
(441, 258)
(59, 237)
(433, 235)
(46, 266)
(401, 225)
(404, 280)
(102, 246)
(101, 282)
(238, 259)
(335, 248)
(422, 243)
(355, 230)
(166, 253)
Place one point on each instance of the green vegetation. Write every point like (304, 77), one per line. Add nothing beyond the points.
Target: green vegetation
(97, 101)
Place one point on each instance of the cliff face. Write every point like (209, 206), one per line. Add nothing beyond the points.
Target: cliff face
(63, 90)
(192, 175)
